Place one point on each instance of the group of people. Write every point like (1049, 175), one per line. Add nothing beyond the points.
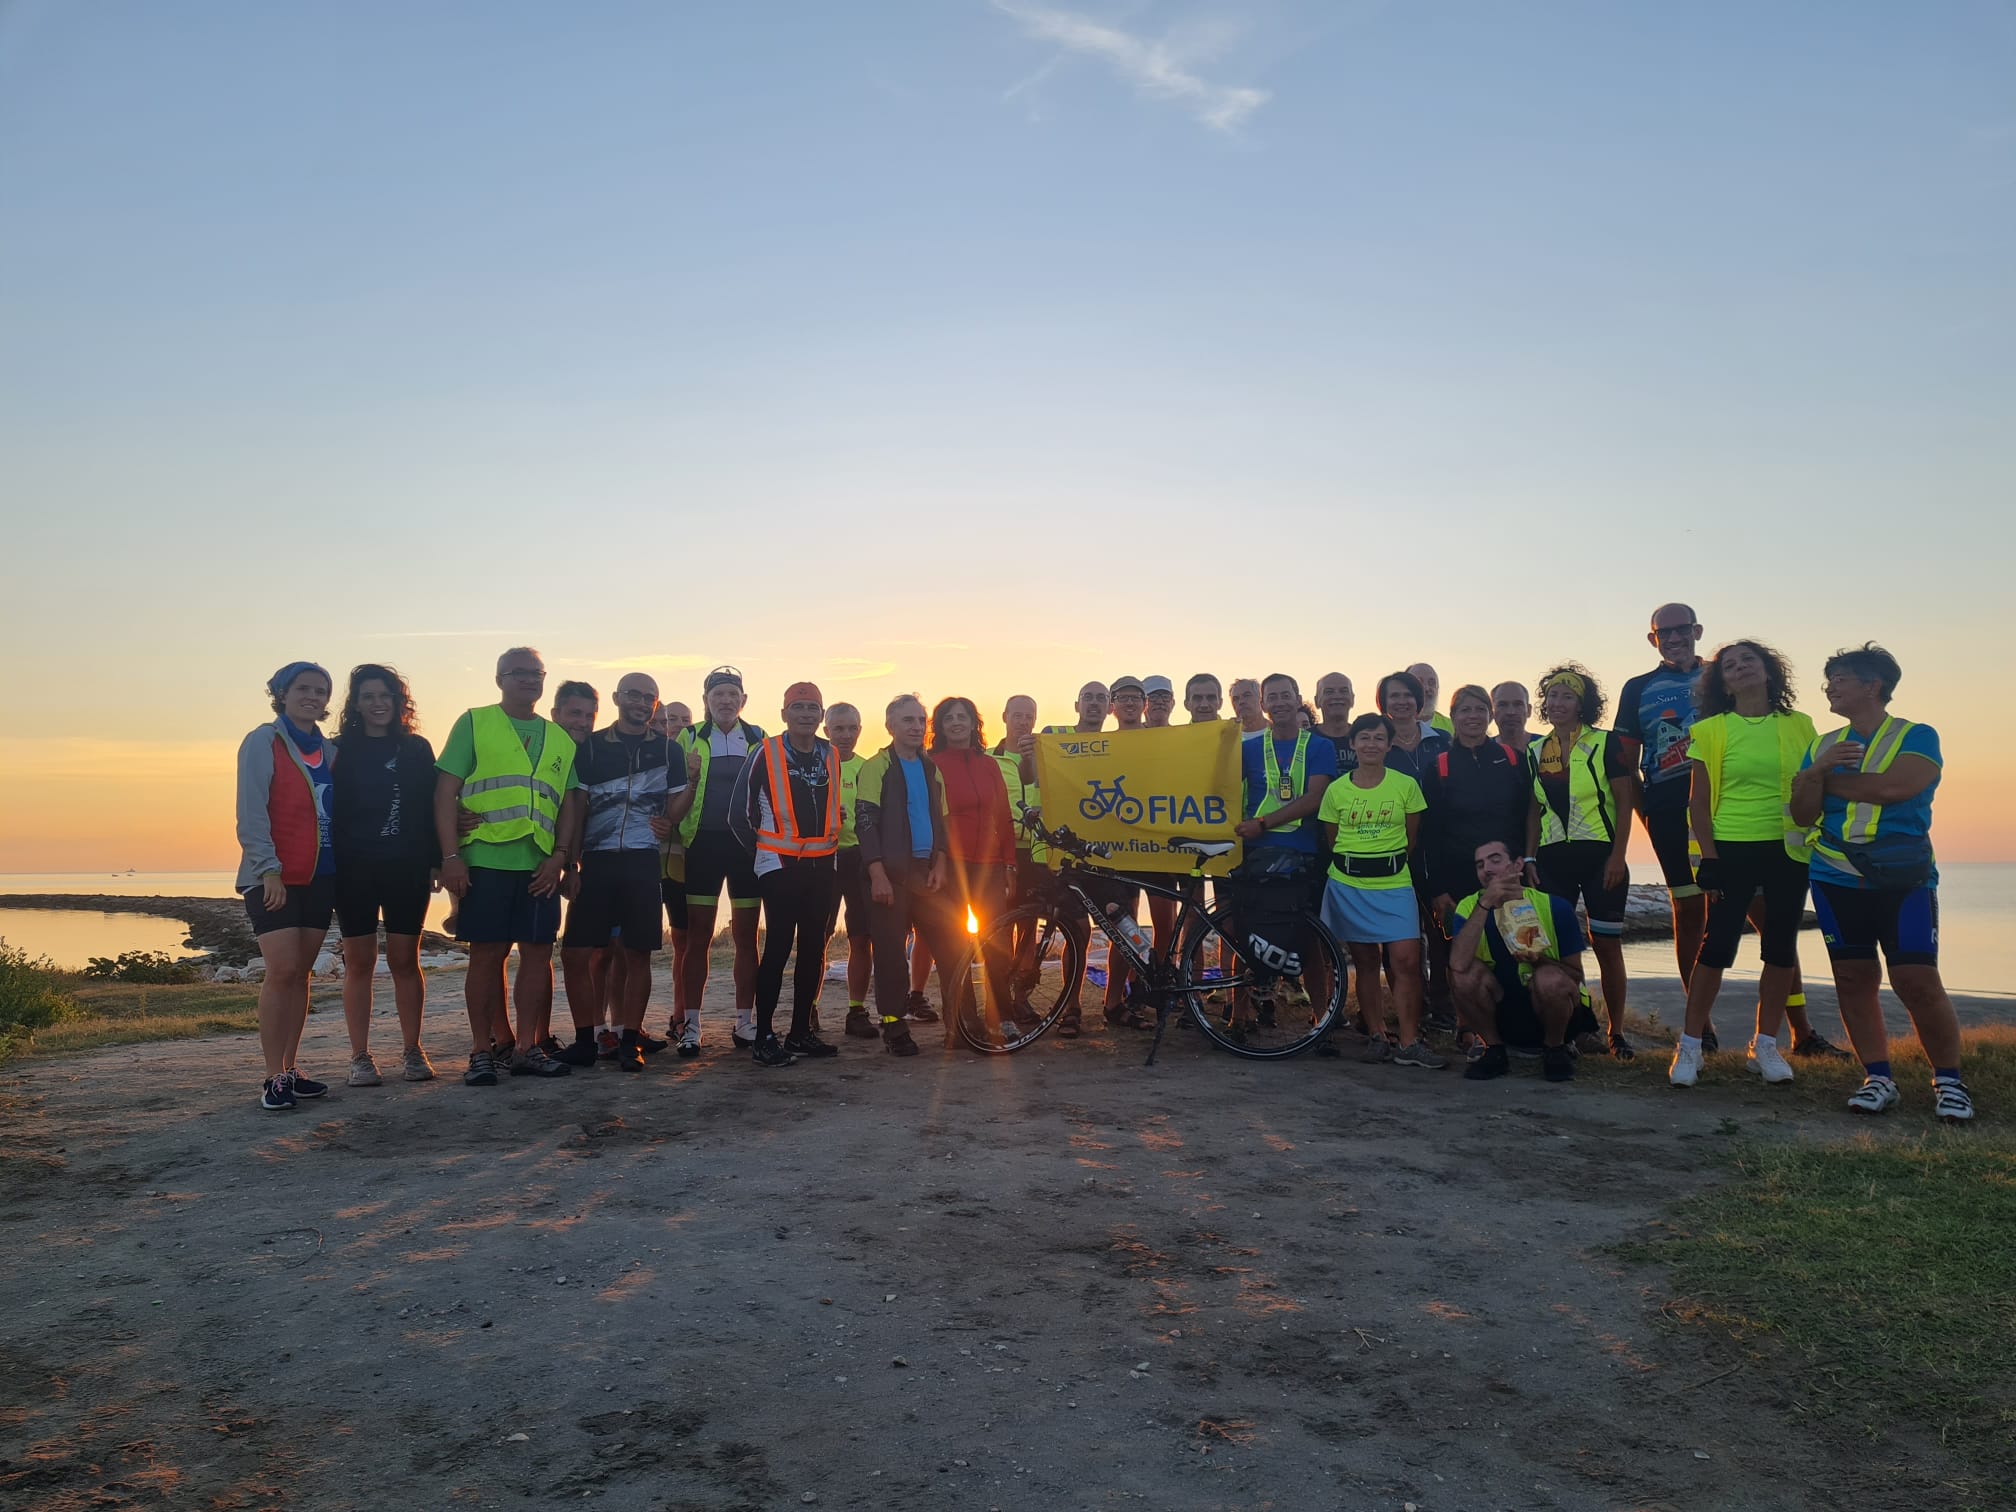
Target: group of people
(1453, 854)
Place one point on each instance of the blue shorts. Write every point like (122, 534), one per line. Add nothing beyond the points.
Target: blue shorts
(1854, 921)
(1370, 916)
(499, 910)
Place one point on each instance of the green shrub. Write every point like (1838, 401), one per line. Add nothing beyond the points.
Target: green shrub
(151, 967)
(32, 997)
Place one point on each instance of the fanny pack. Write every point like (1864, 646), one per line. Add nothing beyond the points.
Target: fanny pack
(1895, 863)
(1371, 866)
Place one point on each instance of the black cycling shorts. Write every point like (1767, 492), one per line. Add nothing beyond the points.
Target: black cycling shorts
(1744, 868)
(1856, 920)
(396, 890)
(1574, 868)
(1667, 828)
(307, 907)
(715, 860)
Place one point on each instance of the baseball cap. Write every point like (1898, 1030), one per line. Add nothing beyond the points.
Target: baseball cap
(1157, 685)
(1122, 684)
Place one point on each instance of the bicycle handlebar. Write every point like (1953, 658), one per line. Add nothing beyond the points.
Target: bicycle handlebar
(1064, 840)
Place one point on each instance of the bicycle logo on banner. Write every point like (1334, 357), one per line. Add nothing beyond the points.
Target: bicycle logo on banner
(1110, 800)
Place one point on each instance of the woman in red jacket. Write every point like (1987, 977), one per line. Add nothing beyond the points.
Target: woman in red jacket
(982, 833)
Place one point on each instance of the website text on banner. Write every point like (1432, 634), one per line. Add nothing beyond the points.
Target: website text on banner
(1136, 789)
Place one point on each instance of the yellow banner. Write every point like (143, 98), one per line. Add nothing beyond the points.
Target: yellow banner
(1134, 790)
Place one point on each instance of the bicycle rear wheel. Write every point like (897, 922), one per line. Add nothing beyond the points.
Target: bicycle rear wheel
(1028, 970)
(1250, 1008)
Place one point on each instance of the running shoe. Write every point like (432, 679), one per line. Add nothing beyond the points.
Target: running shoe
(1418, 1054)
(629, 1054)
(917, 1008)
(1686, 1068)
(364, 1071)
(1709, 1043)
(1557, 1063)
(769, 1051)
(1489, 1066)
(536, 1062)
(810, 1045)
(1621, 1048)
(650, 1044)
(742, 1041)
(896, 1038)
(551, 1045)
(860, 1026)
(417, 1066)
(1819, 1047)
(1951, 1101)
(277, 1093)
(1439, 1021)
(482, 1070)
(1877, 1094)
(1764, 1059)
(306, 1086)
(689, 1040)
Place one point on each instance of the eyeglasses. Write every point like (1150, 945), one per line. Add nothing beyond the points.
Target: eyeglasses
(538, 674)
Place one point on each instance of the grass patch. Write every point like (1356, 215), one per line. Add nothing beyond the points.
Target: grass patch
(1987, 1060)
(123, 1013)
(1881, 1272)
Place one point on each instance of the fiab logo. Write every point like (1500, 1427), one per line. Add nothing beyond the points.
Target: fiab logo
(1158, 808)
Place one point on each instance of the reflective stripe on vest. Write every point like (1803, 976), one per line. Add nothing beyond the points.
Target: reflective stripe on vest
(510, 796)
(1858, 825)
(1298, 779)
(1591, 815)
(784, 838)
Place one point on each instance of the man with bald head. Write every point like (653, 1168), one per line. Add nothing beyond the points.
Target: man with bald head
(1431, 695)
(636, 789)
(1094, 704)
(1335, 699)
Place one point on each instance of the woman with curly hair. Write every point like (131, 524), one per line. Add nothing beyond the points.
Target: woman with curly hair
(1746, 745)
(1578, 825)
(388, 859)
(980, 832)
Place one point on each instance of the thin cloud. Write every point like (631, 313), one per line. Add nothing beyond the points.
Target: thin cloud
(515, 637)
(1155, 68)
(858, 669)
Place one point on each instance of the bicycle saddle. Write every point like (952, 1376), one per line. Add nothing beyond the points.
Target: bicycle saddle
(1204, 848)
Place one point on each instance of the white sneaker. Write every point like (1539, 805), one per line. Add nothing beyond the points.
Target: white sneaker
(1686, 1066)
(1951, 1101)
(364, 1071)
(689, 1038)
(1877, 1094)
(1765, 1060)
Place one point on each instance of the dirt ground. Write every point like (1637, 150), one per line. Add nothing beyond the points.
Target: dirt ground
(1061, 1280)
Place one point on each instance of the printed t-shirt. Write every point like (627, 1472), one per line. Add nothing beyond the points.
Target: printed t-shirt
(1372, 822)
(1320, 760)
(1654, 712)
(727, 754)
(850, 786)
(458, 759)
(1910, 819)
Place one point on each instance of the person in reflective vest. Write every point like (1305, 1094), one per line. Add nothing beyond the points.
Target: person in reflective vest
(1578, 826)
(1867, 791)
(718, 751)
(793, 814)
(1526, 991)
(843, 728)
(515, 772)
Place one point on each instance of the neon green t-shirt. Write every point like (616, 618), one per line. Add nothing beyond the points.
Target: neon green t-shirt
(1372, 822)
(1750, 803)
(458, 759)
(850, 784)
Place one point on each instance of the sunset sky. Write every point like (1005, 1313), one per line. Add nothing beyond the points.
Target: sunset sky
(982, 346)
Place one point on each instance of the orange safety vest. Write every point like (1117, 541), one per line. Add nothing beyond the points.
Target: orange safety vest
(784, 839)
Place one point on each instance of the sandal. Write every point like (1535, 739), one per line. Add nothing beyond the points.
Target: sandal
(1621, 1048)
(1070, 1028)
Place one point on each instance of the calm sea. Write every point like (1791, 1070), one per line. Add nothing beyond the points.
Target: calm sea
(1977, 906)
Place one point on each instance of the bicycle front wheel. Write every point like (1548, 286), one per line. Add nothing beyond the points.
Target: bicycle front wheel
(1250, 1006)
(1029, 969)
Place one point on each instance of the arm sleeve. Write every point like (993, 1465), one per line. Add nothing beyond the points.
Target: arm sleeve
(255, 783)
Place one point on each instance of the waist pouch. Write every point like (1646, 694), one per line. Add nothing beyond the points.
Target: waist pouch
(1897, 863)
(1371, 866)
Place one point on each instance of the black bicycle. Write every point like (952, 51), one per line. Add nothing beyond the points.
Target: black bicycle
(1256, 972)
